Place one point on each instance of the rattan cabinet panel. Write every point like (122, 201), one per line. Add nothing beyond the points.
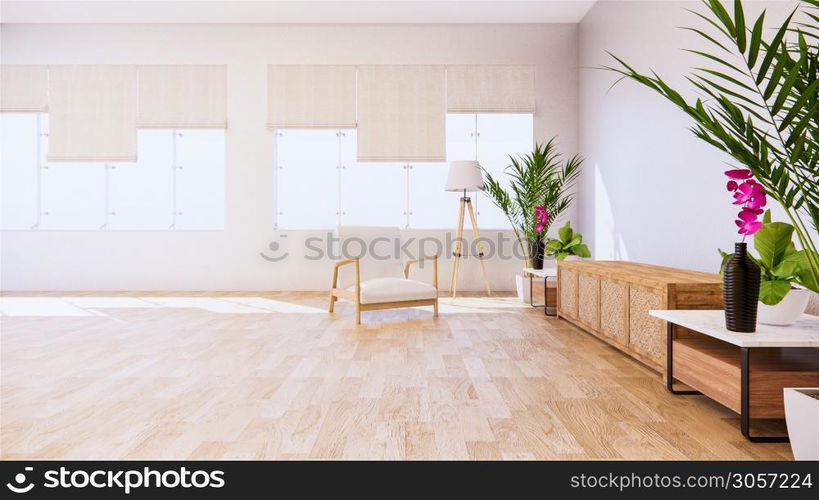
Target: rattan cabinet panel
(588, 288)
(646, 333)
(614, 310)
(611, 300)
(567, 291)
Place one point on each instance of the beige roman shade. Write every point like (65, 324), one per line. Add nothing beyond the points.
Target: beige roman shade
(184, 96)
(92, 113)
(490, 89)
(23, 88)
(401, 113)
(303, 96)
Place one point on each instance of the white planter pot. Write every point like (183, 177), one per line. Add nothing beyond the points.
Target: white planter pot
(802, 417)
(575, 257)
(786, 312)
(522, 286)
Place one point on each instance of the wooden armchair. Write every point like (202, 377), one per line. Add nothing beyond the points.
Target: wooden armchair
(383, 285)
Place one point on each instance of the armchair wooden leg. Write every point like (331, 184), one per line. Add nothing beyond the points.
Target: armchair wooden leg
(357, 292)
(333, 285)
(435, 309)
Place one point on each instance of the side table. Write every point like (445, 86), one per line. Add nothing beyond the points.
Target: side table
(718, 363)
(545, 273)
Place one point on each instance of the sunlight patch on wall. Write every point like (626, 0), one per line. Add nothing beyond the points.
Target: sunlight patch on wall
(608, 243)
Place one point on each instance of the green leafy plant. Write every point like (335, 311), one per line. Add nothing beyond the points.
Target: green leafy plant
(780, 263)
(568, 243)
(540, 189)
(760, 105)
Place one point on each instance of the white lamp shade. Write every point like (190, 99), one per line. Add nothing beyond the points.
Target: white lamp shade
(464, 175)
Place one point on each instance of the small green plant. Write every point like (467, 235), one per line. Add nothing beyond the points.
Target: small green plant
(567, 243)
(780, 263)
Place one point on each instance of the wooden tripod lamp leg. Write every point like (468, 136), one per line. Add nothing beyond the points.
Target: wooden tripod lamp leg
(477, 234)
(458, 248)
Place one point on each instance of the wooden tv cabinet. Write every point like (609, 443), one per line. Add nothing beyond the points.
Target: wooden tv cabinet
(611, 300)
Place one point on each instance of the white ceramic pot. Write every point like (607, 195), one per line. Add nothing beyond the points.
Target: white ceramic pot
(522, 286)
(786, 312)
(572, 257)
(802, 417)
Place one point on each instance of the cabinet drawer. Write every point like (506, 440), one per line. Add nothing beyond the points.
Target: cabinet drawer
(567, 288)
(588, 294)
(614, 310)
(646, 333)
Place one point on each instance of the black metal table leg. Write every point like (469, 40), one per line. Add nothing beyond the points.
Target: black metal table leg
(546, 295)
(532, 296)
(669, 363)
(745, 402)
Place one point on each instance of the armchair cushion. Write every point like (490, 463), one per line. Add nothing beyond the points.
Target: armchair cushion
(379, 290)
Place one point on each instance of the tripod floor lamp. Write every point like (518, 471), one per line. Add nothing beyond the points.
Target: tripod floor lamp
(465, 176)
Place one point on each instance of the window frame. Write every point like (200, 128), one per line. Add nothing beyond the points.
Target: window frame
(107, 170)
(345, 162)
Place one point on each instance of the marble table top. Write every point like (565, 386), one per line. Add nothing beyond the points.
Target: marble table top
(803, 333)
(543, 273)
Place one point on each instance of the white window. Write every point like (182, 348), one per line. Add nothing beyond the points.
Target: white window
(200, 179)
(430, 206)
(141, 193)
(307, 178)
(374, 194)
(500, 136)
(19, 163)
(176, 183)
(461, 136)
(319, 183)
(73, 196)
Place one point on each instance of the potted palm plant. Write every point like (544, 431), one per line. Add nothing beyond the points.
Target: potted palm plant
(540, 189)
(759, 103)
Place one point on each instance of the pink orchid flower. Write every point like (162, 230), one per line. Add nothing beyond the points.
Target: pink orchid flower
(739, 174)
(749, 214)
(749, 194)
(757, 202)
(748, 227)
(541, 218)
(747, 191)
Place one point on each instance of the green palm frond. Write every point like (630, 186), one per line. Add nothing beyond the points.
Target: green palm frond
(759, 104)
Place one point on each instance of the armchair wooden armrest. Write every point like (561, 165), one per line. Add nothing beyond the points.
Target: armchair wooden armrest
(340, 263)
(433, 258)
(336, 292)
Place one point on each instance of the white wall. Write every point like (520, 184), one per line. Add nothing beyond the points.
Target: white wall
(229, 259)
(651, 191)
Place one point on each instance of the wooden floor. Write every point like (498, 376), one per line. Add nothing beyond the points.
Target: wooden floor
(252, 375)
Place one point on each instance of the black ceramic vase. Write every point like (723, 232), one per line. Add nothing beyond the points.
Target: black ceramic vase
(740, 288)
(536, 251)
